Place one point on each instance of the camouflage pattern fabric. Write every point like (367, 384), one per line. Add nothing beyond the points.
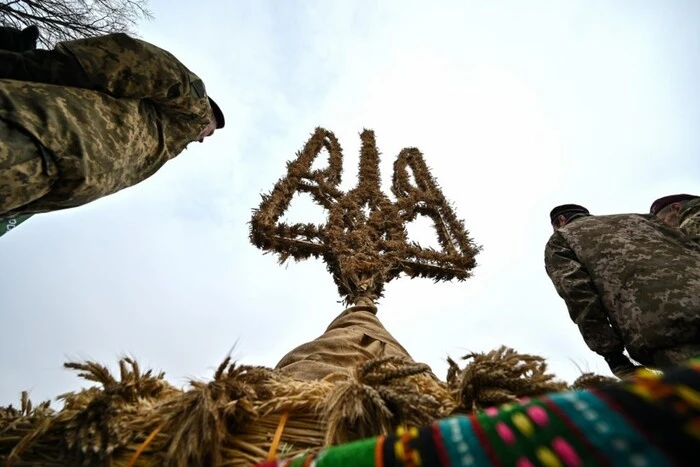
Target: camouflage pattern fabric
(689, 220)
(356, 336)
(15, 40)
(26, 173)
(109, 111)
(629, 281)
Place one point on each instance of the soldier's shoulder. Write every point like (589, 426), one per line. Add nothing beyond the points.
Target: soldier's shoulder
(603, 232)
(556, 242)
(605, 220)
(114, 43)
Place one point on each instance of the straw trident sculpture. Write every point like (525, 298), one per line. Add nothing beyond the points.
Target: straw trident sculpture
(364, 242)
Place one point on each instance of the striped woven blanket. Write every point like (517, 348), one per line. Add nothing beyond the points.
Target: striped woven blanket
(648, 420)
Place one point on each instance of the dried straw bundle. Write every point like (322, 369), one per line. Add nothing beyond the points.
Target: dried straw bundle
(140, 419)
(364, 241)
(499, 377)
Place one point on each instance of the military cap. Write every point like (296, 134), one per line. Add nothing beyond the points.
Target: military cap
(661, 203)
(567, 210)
(217, 113)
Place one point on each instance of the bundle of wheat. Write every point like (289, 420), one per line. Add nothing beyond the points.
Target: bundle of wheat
(364, 241)
(248, 414)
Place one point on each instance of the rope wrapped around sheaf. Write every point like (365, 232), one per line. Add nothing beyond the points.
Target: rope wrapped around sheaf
(379, 396)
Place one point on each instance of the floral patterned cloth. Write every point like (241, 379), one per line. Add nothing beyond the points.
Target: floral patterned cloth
(650, 419)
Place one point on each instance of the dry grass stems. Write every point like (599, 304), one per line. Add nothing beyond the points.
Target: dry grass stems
(231, 419)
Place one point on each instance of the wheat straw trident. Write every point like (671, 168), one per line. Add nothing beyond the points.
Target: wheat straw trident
(364, 241)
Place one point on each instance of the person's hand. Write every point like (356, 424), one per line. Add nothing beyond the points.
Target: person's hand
(620, 365)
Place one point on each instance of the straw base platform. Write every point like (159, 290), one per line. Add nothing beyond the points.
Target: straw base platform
(249, 414)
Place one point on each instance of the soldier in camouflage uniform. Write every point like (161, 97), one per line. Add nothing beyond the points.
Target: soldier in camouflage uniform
(682, 211)
(630, 281)
(92, 117)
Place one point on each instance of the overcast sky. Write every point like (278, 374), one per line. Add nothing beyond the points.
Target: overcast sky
(515, 108)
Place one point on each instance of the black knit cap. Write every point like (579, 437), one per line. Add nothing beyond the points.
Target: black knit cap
(567, 210)
(661, 203)
(217, 113)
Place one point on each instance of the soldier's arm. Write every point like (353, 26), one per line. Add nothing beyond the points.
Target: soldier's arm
(43, 66)
(689, 218)
(115, 64)
(574, 285)
(126, 67)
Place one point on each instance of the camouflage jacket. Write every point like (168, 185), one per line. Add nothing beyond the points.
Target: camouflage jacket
(111, 110)
(689, 218)
(629, 281)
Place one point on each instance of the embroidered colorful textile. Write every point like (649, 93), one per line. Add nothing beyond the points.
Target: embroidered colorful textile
(648, 420)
